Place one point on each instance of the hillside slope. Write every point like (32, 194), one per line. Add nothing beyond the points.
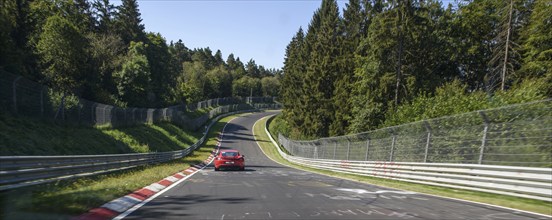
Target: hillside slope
(23, 136)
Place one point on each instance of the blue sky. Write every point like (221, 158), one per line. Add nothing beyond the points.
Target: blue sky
(251, 29)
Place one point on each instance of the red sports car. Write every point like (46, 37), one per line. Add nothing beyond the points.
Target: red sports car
(229, 159)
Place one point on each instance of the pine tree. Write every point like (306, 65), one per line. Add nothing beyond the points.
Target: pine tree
(128, 21)
(353, 23)
(162, 76)
(475, 23)
(505, 53)
(292, 90)
(322, 69)
(537, 46)
(104, 13)
(218, 58)
(252, 70)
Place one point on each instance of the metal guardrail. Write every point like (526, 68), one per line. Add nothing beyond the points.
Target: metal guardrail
(526, 182)
(513, 135)
(20, 171)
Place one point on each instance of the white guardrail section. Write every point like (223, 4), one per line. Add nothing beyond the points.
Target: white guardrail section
(526, 182)
(20, 171)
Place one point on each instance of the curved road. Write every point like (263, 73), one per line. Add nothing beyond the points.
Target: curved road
(268, 190)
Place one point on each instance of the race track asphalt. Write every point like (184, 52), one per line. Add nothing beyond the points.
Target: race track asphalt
(268, 190)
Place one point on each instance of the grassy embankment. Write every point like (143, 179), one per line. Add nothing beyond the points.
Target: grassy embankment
(494, 199)
(69, 198)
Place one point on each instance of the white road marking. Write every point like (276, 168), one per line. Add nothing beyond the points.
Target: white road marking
(121, 204)
(155, 187)
(172, 179)
(363, 191)
(134, 208)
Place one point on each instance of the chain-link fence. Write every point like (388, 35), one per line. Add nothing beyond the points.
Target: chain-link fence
(21, 96)
(517, 135)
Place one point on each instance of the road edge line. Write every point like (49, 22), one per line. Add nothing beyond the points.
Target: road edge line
(462, 200)
(139, 205)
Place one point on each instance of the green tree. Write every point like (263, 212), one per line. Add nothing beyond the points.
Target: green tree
(352, 26)
(205, 57)
(218, 58)
(106, 51)
(162, 75)
(252, 70)
(219, 82)
(193, 81)
(104, 13)
(505, 55)
(8, 20)
(475, 24)
(235, 66)
(270, 86)
(128, 22)
(322, 69)
(134, 79)
(62, 50)
(246, 86)
(291, 94)
(537, 47)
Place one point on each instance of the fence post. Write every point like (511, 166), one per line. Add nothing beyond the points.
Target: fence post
(315, 154)
(14, 89)
(93, 114)
(484, 139)
(104, 114)
(79, 110)
(367, 149)
(392, 147)
(428, 141)
(41, 101)
(335, 149)
(348, 148)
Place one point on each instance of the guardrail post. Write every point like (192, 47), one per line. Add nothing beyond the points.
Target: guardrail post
(14, 89)
(348, 148)
(428, 141)
(367, 149)
(484, 139)
(392, 147)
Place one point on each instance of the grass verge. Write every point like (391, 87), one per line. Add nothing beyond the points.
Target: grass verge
(488, 198)
(26, 136)
(65, 199)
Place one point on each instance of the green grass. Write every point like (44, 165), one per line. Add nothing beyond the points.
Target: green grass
(24, 136)
(198, 112)
(70, 198)
(489, 198)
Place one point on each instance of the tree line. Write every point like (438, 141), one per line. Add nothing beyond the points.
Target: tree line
(99, 51)
(382, 60)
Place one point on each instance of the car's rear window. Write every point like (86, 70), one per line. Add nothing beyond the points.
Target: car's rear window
(229, 154)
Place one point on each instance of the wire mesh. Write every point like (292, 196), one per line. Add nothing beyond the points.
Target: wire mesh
(515, 135)
(21, 96)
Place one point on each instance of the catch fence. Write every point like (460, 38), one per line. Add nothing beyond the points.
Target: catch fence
(21, 96)
(515, 135)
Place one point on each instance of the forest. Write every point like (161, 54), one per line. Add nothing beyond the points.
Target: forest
(101, 52)
(382, 63)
